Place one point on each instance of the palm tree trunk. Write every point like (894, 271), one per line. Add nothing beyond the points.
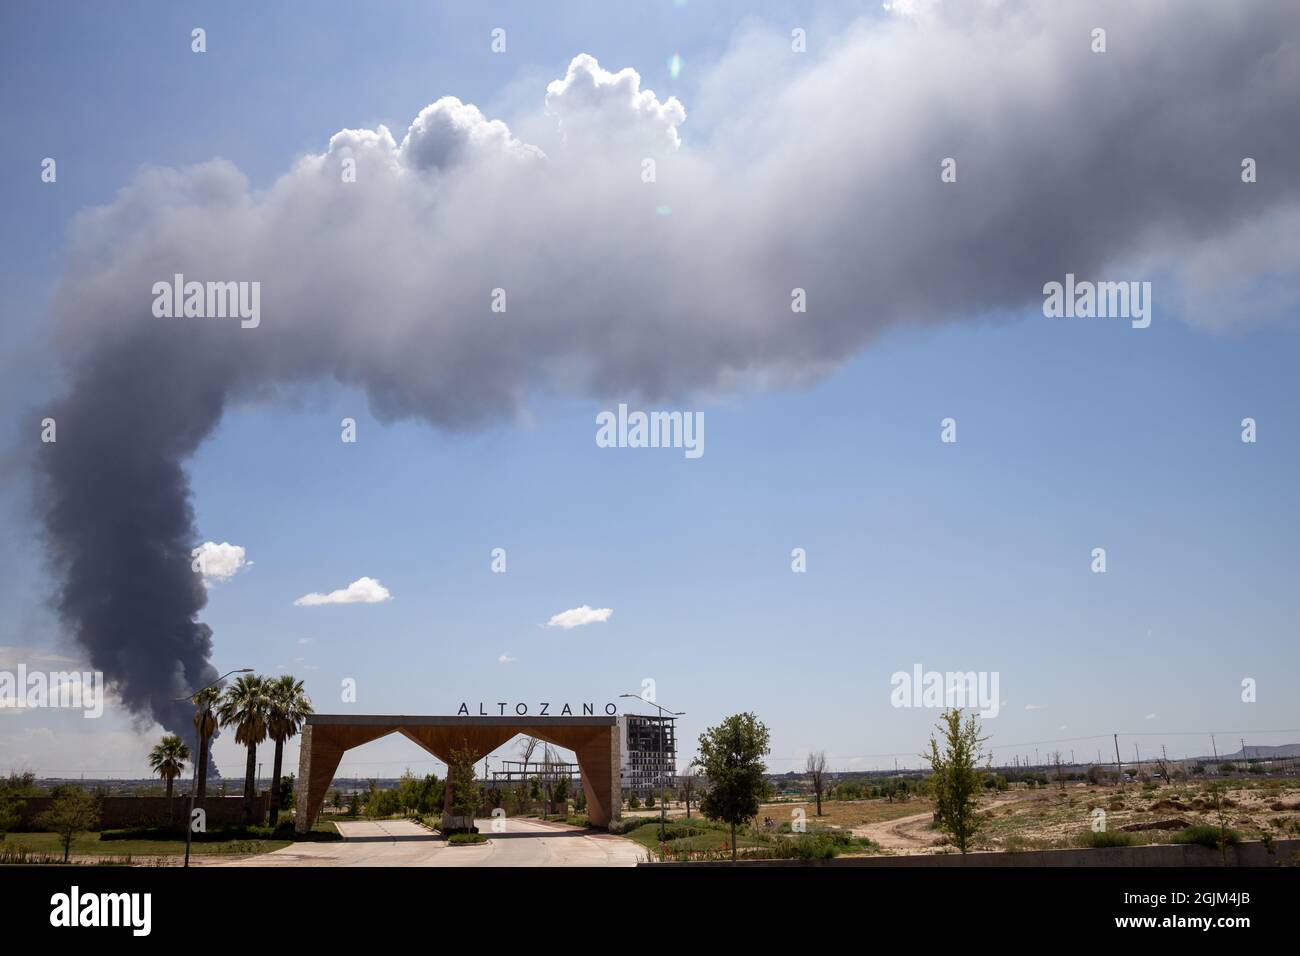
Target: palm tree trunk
(169, 787)
(202, 788)
(275, 782)
(250, 783)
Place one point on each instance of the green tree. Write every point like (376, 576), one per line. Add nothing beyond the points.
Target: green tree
(731, 757)
(12, 790)
(956, 778)
(562, 794)
(73, 811)
(245, 705)
(206, 702)
(167, 759)
(285, 795)
(288, 707)
(460, 778)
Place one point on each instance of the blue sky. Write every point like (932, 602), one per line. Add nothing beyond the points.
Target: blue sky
(973, 556)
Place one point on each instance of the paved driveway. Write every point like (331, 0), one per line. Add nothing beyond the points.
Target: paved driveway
(402, 843)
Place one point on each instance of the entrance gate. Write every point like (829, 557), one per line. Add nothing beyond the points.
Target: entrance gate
(595, 741)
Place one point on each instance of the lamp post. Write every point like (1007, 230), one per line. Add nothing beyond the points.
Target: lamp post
(663, 809)
(189, 817)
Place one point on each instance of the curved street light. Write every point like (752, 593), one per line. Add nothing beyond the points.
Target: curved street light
(189, 817)
(663, 809)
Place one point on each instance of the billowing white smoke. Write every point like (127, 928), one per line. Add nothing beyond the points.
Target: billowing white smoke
(818, 171)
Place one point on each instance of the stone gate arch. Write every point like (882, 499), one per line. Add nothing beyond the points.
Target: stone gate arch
(593, 740)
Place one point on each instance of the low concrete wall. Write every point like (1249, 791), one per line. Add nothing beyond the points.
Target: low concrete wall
(115, 812)
(1284, 853)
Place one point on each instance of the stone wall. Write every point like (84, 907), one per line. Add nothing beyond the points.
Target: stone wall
(1282, 853)
(116, 812)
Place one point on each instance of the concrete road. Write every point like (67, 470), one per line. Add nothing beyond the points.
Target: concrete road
(402, 843)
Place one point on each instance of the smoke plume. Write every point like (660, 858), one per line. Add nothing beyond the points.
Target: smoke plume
(818, 171)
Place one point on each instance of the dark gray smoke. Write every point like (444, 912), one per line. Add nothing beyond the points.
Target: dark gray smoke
(818, 171)
(120, 528)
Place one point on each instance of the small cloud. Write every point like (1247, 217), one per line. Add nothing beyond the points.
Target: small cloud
(505, 658)
(360, 591)
(304, 640)
(219, 562)
(1149, 717)
(578, 616)
(1035, 706)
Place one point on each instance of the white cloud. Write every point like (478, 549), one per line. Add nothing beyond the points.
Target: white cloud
(360, 591)
(219, 562)
(1035, 706)
(449, 132)
(505, 658)
(1149, 717)
(578, 616)
(595, 106)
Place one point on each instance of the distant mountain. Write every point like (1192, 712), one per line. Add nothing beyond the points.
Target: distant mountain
(1253, 751)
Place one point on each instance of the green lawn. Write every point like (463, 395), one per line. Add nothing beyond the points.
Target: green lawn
(707, 839)
(89, 844)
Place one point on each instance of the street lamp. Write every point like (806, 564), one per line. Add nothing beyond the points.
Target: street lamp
(189, 817)
(663, 810)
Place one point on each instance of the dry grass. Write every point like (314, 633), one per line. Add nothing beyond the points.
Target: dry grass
(845, 814)
(1051, 818)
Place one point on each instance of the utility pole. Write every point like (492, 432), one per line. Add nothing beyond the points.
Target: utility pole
(1243, 748)
(1215, 748)
(1139, 758)
(1119, 764)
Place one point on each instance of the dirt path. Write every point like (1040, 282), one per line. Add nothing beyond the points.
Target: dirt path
(912, 834)
(901, 833)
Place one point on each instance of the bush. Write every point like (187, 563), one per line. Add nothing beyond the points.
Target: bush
(623, 827)
(1096, 839)
(821, 845)
(633, 802)
(1208, 836)
(466, 839)
(680, 829)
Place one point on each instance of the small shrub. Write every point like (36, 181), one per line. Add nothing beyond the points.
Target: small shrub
(1096, 839)
(1208, 836)
(466, 839)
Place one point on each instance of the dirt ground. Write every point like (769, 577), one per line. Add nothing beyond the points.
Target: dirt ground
(1050, 818)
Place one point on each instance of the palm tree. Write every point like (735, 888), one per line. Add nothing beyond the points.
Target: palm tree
(290, 706)
(205, 725)
(168, 758)
(244, 706)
